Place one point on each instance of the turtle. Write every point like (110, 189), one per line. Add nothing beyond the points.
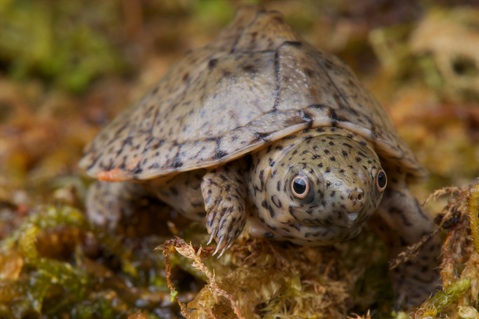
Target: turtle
(259, 131)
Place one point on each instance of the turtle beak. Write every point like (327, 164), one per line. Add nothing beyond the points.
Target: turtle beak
(352, 216)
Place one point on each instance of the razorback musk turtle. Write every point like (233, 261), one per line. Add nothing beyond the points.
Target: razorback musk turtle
(260, 127)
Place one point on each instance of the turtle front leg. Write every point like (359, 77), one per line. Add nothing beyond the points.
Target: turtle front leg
(406, 224)
(224, 193)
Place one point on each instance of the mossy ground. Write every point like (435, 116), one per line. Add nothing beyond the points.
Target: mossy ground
(58, 85)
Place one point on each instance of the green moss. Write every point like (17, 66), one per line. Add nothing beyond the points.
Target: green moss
(42, 279)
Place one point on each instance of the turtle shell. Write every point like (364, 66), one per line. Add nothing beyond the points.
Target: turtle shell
(255, 83)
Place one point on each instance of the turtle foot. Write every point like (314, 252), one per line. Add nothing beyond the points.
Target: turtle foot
(224, 195)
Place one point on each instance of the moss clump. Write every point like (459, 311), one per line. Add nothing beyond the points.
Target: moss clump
(460, 267)
(56, 263)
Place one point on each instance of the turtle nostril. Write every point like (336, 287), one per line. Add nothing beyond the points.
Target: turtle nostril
(357, 195)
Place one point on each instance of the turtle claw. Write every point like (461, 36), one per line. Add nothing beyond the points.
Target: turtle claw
(220, 247)
(210, 240)
(224, 195)
(224, 231)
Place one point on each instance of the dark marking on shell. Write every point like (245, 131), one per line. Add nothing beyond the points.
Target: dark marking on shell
(249, 68)
(261, 136)
(306, 118)
(334, 117)
(220, 154)
(137, 170)
(212, 63)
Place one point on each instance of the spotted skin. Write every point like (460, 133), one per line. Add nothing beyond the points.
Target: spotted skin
(238, 129)
(342, 170)
(225, 195)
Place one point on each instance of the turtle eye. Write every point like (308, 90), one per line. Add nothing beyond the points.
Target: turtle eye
(381, 180)
(300, 186)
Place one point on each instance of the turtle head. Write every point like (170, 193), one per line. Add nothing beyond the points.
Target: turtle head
(318, 188)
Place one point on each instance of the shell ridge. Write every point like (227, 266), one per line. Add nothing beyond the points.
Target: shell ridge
(266, 31)
(277, 70)
(243, 30)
